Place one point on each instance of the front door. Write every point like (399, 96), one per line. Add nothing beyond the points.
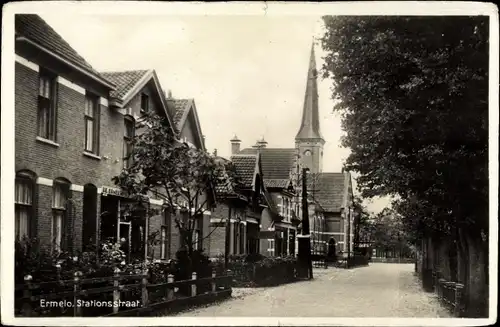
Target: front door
(332, 252)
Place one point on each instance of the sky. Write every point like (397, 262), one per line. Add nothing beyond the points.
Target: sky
(247, 74)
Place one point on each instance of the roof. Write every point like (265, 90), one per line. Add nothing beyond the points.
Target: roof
(34, 28)
(276, 162)
(245, 166)
(124, 81)
(176, 108)
(329, 191)
(277, 183)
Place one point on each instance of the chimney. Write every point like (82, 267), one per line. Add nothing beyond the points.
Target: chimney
(235, 145)
(215, 152)
(262, 143)
(169, 96)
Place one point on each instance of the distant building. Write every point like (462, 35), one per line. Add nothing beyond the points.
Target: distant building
(330, 195)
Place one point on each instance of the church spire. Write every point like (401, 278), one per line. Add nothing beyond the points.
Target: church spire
(309, 126)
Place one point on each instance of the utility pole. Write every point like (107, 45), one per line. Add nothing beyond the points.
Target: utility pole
(348, 236)
(304, 254)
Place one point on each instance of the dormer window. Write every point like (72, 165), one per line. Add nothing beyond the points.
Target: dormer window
(144, 103)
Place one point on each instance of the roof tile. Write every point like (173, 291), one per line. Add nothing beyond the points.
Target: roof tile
(37, 30)
(276, 183)
(245, 168)
(328, 190)
(124, 81)
(177, 108)
(276, 162)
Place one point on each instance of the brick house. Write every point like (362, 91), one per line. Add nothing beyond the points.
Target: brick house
(278, 168)
(246, 213)
(330, 195)
(72, 136)
(63, 125)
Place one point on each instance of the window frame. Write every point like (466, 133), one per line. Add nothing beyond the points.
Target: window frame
(145, 100)
(65, 188)
(29, 207)
(49, 104)
(236, 232)
(95, 119)
(164, 236)
(242, 238)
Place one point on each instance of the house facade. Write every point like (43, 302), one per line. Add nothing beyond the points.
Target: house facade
(73, 134)
(244, 212)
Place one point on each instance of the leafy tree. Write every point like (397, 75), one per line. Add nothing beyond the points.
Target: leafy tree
(176, 172)
(413, 95)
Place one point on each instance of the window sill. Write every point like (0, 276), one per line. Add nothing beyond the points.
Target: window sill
(91, 155)
(46, 141)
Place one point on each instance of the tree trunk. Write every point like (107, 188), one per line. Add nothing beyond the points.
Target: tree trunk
(476, 277)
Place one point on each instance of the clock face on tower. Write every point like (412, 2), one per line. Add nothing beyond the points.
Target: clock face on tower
(307, 153)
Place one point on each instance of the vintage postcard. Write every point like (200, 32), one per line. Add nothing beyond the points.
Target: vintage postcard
(249, 163)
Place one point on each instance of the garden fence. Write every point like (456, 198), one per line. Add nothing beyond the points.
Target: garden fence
(116, 295)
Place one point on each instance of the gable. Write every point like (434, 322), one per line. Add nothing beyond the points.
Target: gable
(329, 191)
(189, 131)
(154, 101)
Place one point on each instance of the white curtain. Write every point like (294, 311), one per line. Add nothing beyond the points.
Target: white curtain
(22, 222)
(163, 242)
(57, 222)
(23, 199)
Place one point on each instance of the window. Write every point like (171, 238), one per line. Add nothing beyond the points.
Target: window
(47, 106)
(235, 238)
(270, 246)
(163, 236)
(197, 240)
(144, 103)
(24, 206)
(60, 197)
(128, 137)
(242, 239)
(91, 124)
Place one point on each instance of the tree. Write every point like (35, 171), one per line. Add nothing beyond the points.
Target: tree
(413, 95)
(181, 175)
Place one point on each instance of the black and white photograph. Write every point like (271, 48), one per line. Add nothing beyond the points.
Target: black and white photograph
(249, 163)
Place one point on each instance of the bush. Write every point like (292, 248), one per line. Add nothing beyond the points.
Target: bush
(258, 270)
(275, 270)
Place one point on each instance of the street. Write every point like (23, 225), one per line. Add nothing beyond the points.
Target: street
(379, 290)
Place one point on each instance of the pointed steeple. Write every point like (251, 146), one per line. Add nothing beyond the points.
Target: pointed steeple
(309, 126)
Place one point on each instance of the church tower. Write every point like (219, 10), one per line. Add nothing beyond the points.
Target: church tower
(309, 141)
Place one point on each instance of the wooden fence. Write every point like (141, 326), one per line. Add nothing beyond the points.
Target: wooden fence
(450, 294)
(116, 295)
